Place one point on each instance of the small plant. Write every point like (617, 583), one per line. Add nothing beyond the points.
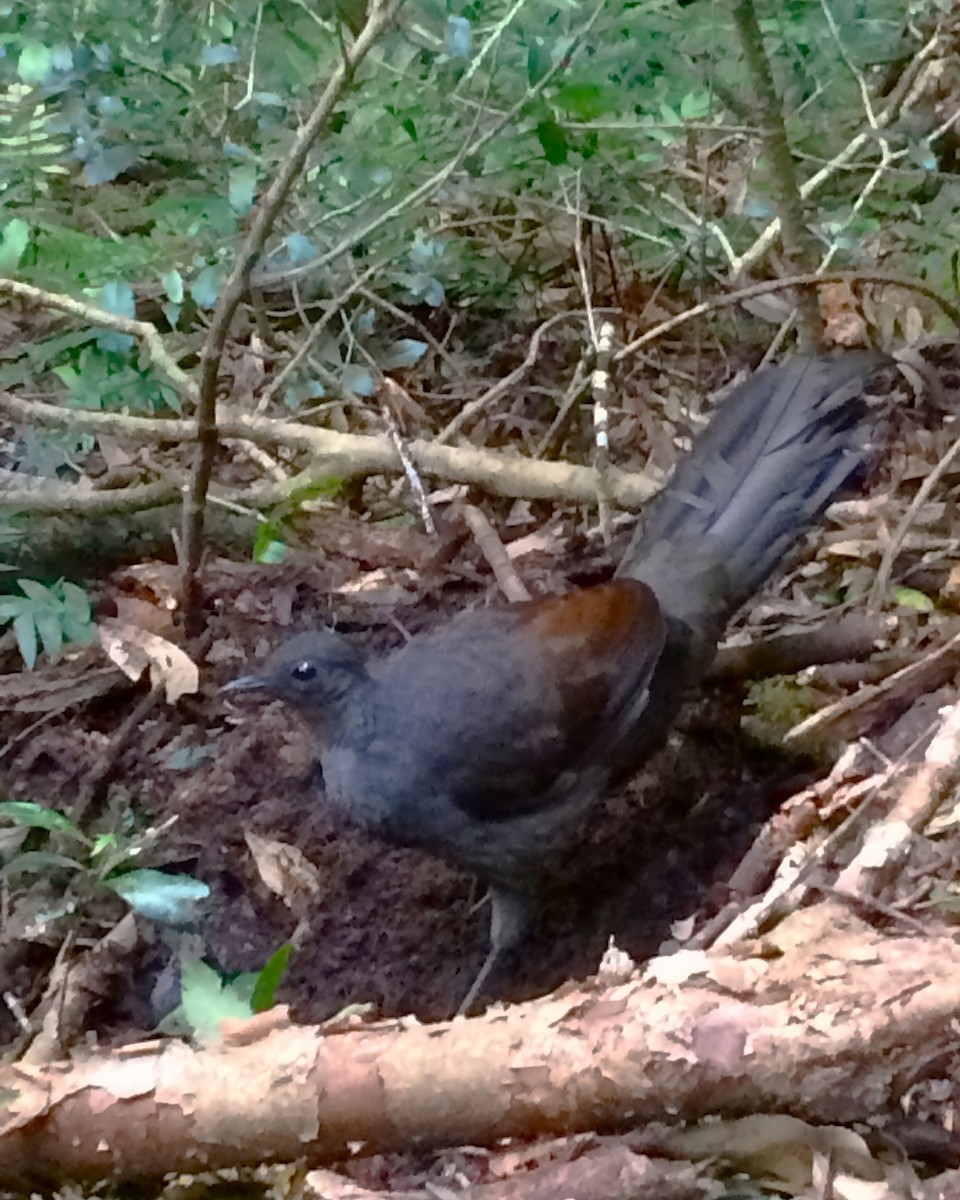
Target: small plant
(95, 864)
(207, 998)
(48, 617)
(779, 703)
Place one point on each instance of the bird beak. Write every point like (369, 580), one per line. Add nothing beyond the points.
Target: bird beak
(247, 683)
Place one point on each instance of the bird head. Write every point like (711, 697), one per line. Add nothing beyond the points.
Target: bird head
(314, 672)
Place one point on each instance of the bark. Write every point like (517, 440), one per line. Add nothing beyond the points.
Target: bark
(831, 1024)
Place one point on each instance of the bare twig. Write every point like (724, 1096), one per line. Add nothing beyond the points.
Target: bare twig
(574, 390)
(379, 15)
(779, 285)
(495, 553)
(887, 843)
(927, 671)
(878, 592)
(491, 395)
(413, 476)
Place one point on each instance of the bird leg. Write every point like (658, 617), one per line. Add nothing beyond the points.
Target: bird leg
(509, 922)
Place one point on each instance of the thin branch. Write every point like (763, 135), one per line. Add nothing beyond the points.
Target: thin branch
(144, 331)
(343, 455)
(898, 100)
(779, 285)
(380, 15)
(502, 386)
(878, 592)
(798, 244)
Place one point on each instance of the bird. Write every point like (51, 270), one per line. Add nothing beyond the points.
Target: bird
(489, 741)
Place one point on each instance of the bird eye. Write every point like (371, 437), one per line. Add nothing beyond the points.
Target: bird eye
(304, 672)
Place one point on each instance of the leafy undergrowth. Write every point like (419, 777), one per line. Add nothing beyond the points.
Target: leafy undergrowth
(280, 902)
(235, 801)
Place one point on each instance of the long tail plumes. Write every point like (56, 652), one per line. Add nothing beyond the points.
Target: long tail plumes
(773, 456)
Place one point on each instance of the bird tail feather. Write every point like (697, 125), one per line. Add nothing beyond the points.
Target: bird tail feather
(776, 452)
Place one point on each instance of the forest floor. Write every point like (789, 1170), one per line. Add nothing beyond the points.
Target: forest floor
(235, 790)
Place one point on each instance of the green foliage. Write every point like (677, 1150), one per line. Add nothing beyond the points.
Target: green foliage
(95, 864)
(945, 897)
(135, 140)
(48, 616)
(779, 703)
(268, 543)
(270, 540)
(158, 895)
(109, 93)
(208, 998)
(908, 597)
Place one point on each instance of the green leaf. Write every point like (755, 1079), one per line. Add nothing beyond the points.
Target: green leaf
(946, 897)
(159, 896)
(243, 188)
(911, 598)
(36, 862)
(37, 592)
(587, 101)
(459, 37)
(50, 631)
(116, 297)
(25, 632)
(406, 352)
(317, 489)
(553, 140)
(76, 616)
(358, 380)
(269, 533)
(15, 239)
(538, 60)
(186, 758)
(206, 287)
(695, 106)
(206, 1001)
(35, 62)
(173, 285)
(102, 843)
(271, 551)
(35, 816)
(269, 977)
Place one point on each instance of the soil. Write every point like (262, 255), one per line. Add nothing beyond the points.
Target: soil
(391, 928)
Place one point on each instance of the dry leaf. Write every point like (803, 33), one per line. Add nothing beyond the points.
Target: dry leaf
(841, 314)
(144, 614)
(284, 869)
(157, 581)
(134, 649)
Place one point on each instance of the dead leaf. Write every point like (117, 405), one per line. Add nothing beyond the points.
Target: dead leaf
(777, 1148)
(134, 650)
(144, 614)
(286, 871)
(156, 581)
(841, 314)
(115, 453)
(377, 587)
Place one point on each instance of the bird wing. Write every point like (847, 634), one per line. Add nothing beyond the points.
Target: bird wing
(526, 696)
